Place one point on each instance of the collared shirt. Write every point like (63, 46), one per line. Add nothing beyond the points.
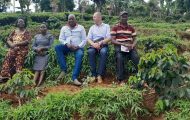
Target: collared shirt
(123, 33)
(75, 36)
(97, 32)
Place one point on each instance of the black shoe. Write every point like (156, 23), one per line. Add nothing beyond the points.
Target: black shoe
(4, 79)
(1, 81)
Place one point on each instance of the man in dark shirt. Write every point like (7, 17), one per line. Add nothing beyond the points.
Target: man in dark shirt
(123, 37)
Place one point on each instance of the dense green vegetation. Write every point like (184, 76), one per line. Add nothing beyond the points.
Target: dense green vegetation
(164, 65)
(97, 104)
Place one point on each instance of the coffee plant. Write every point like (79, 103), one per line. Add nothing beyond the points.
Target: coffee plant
(21, 85)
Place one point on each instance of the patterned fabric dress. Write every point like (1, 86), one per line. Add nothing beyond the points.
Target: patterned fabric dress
(14, 60)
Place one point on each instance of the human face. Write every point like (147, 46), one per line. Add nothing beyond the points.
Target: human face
(72, 21)
(124, 18)
(43, 28)
(20, 23)
(97, 19)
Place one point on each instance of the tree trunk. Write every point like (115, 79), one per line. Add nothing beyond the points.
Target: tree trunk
(22, 10)
(28, 9)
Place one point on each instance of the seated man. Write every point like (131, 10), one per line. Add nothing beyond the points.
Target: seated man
(123, 37)
(73, 39)
(98, 36)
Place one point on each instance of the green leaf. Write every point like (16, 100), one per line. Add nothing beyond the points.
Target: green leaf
(22, 93)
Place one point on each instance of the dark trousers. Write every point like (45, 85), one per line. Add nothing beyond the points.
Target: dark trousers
(121, 58)
(103, 53)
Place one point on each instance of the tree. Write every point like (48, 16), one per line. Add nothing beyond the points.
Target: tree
(99, 4)
(54, 5)
(45, 5)
(179, 6)
(187, 5)
(36, 4)
(24, 4)
(137, 7)
(161, 4)
(118, 5)
(66, 5)
(3, 5)
(152, 6)
(168, 6)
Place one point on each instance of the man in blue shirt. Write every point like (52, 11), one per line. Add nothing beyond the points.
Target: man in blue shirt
(98, 37)
(73, 39)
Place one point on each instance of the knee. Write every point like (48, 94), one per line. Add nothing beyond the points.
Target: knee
(80, 53)
(103, 51)
(91, 51)
(58, 47)
(119, 56)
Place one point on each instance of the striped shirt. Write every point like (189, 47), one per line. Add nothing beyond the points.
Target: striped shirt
(75, 36)
(123, 33)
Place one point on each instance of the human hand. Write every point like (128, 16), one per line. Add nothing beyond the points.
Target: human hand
(96, 45)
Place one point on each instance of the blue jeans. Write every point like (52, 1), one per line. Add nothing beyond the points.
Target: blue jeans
(103, 53)
(62, 51)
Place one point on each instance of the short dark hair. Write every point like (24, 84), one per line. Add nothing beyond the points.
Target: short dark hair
(45, 23)
(23, 18)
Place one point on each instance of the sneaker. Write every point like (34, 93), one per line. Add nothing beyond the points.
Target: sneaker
(99, 79)
(61, 75)
(92, 79)
(76, 82)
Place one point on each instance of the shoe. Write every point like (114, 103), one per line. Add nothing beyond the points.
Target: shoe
(76, 82)
(122, 83)
(4, 79)
(61, 75)
(92, 79)
(1, 81)
(99, 79)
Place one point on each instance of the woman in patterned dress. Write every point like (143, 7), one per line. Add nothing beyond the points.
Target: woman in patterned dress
(41, 44)
(18, 42)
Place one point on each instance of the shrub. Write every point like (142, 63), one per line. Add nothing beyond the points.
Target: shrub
(4, 108)
(168, 18)
(157, 41)
(53, 23)
(20, 85)
(7, 19)
(96, 103)
(166, 72)
(187, 16)
(182, 111)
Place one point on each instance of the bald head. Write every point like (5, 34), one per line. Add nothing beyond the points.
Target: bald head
(97, 17)
(98, 14)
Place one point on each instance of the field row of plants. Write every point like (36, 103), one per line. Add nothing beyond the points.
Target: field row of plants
(97, 104)
(164, 66)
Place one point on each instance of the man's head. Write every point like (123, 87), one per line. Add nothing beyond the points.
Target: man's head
(72, 20)
(97, 17)
(123, 17)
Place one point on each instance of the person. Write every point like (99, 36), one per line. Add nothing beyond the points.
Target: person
(73, 39)
(124, 40)
(41, 44)
(98, 37)
(18, 42)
